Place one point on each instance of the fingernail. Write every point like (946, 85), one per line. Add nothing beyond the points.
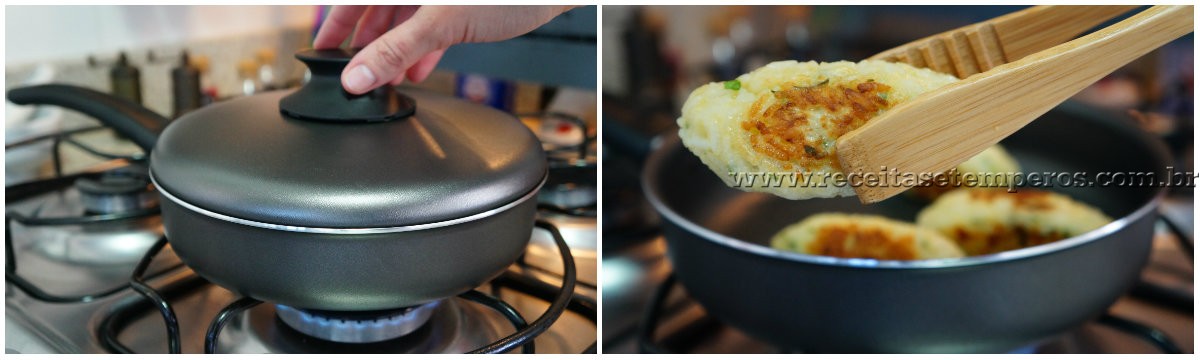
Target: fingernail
(359, 79)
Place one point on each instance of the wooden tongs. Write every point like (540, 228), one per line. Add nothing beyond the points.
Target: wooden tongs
(1014, 69)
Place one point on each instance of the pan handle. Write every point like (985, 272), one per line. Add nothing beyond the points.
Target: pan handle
(128, 118)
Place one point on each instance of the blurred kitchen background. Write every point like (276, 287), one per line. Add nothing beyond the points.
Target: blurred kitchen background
(173, 59)
(654, 56)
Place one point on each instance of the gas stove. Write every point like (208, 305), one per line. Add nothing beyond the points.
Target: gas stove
(89, 270)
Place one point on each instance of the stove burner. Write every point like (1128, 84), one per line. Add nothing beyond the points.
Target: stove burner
(121, 190)
(568, 196)
(561, 298)
(356, 326)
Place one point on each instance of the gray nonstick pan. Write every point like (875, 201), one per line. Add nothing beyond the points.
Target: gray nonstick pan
(718, 245)
(322, 200)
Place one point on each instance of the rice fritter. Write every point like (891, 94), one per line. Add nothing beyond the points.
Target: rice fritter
(986, 221)
(993, 167)
(784, 118)
(863, 236)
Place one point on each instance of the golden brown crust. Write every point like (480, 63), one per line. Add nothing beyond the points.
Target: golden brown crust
(863, 236)
(852, 241)
(777, 130)
(987, 221)
(1003, 238)
(718, 120)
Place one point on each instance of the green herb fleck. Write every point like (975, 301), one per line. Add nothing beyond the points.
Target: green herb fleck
(883, 96)
(733, 85)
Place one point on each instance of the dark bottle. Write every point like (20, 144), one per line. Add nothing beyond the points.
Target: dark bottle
(126, 80)
(185, 86)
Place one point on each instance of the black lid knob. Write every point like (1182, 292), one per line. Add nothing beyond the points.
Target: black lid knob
(324, 99)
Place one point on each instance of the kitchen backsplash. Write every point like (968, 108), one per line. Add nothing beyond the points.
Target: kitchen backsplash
(223, 56)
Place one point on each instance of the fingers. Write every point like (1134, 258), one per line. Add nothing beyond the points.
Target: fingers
(408, 50)
(404, 12)
(338, 26)
(420, 71)
(375, 21)
(391, 55)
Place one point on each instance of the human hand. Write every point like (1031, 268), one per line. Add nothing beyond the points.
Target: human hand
(407, 41)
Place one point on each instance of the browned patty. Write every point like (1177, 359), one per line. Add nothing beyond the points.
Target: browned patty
(778, 130)
(987, 221)
(863, 236)
(852, 241)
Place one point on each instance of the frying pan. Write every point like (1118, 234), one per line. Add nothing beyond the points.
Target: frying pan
(718, 237)
(322, 200)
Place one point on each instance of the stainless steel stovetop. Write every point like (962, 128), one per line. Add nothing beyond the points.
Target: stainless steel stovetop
(75, 260)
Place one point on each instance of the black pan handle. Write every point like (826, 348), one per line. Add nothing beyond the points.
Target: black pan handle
(128, 118)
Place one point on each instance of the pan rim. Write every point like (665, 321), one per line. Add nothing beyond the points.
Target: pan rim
(347, 231)
(1012, 255)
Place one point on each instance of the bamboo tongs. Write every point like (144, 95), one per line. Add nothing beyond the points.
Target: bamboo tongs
(1014, 69)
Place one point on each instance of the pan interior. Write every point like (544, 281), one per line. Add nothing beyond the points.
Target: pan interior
(1070, 138)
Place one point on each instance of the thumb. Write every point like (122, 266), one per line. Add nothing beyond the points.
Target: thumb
(391, 55)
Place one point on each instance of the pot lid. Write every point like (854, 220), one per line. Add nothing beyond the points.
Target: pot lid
(322, 158)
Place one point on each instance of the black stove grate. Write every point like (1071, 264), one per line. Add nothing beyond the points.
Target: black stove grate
(25, 190)
(223, 317)
(67, 136)
(137, 281)
(561, 298)
(60, 181)
(1147, 333)
(588, 210)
